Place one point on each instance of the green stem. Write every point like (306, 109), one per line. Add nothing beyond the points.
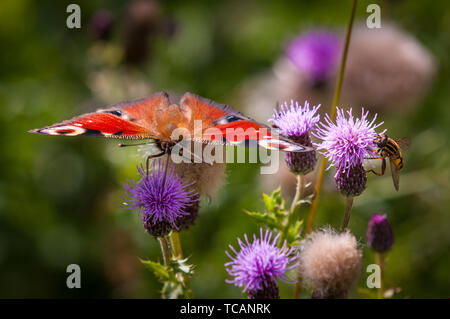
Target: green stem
(298, 195)
(348, 211)
(165, 250)
(379, 259)
(176, 245)
(298, 286)
(337, 94)
(178, 253)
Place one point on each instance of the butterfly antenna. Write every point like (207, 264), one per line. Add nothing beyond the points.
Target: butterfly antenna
(138, 144)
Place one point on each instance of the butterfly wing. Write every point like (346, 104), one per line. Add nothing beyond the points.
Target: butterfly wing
(126, 120)
(220, 121)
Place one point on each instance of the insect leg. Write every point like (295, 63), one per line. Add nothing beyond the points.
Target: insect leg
(167, 150)
(147, 162)
(383, 167)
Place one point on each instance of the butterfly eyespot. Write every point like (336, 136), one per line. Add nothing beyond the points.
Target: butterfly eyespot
(65, 131)
(232, 118)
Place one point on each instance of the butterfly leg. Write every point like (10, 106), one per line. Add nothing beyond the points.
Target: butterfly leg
(147, 162)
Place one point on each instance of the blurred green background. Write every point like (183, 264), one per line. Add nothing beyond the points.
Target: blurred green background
(59, 197)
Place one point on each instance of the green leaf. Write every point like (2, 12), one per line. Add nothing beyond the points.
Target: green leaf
(264, 218)
(159, 270)
(268, 202)
(293, 233)
(278, 202)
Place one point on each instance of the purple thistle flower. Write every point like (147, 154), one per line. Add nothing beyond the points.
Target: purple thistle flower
(162, 199)
(315, 53)
(101, 25)
(380, 237)
(259, 264)
(346, 144)
(296, 121)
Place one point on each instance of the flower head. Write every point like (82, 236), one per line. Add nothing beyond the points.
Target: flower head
(380, 237)
(296, 121)
(346, 144)
(258, 265)
(101, 25)
(397, 69)
(315, 53)
(330, 262)
(162, 199)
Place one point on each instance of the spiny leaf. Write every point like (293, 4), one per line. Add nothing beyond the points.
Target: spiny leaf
(159, 270)
(268, 202)
(264, 218)
(293, 234)
(278, 202)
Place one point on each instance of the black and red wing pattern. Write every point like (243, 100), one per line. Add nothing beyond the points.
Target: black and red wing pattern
(234, 127)
(126, 120)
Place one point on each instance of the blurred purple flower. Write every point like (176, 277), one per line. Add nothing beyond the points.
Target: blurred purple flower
(346, 144)
(380, 237)
(101, 25)
(296, 121)
(259, 264)
(161, 199)
(315, 53)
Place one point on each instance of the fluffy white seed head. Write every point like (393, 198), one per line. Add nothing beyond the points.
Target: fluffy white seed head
(330, 262)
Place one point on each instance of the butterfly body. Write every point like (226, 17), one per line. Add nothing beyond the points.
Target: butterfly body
(158, 117)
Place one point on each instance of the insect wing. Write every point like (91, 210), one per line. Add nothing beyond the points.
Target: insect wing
(403, 143)
(126, 120)
(395, 175)
(222, 122)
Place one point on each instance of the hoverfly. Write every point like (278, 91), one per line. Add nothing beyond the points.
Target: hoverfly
(392, 149)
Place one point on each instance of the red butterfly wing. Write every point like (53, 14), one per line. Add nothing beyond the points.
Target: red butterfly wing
(232, 126)
(126, 120)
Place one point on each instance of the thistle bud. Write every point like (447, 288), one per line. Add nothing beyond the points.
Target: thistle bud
(380, 237)
(101, 25)
(269, 290)
(353, 182)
